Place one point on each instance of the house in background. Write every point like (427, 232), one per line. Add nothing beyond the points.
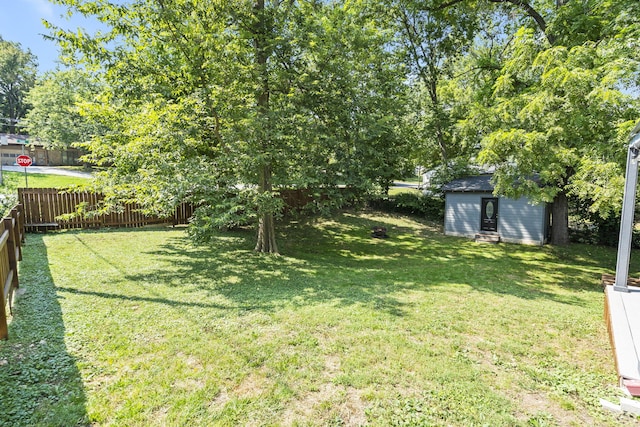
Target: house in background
(471, 210)
(40, 155)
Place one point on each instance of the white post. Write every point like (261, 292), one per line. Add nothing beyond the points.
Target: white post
(628, 208)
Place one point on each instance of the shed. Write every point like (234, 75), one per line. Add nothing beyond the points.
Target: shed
(472, 210)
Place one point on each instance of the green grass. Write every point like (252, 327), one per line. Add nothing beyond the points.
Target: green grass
(13, 180)
(397, 190)
(139, 328)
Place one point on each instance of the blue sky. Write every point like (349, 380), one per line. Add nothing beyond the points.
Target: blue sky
(21, 21)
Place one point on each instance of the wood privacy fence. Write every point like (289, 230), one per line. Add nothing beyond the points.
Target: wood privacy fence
(43, 208)
(11, 238)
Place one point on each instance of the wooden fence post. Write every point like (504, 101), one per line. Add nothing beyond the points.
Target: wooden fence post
(6, 281)
(18, 229)
(11, 235)
(4, 330)
(13, 246)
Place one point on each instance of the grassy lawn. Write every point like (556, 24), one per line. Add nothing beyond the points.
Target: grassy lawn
(397, 190)
(140, 328)
(14, 180)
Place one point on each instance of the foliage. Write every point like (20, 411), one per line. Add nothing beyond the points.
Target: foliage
(203, 100)
(17, 77)
(7, 202)
(54, 118)
(591, 228)
(558, 111)
(433, 38)
(341, 328)
(425, 206)
(443, 174)
(566, 130)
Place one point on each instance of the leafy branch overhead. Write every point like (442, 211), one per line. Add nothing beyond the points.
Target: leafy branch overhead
(215, 99)
(227, 103)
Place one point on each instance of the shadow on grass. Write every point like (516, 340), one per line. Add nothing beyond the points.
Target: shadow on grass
(338, 262)
(39, 381)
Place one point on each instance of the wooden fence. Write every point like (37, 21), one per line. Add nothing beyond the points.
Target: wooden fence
(44, 207)
(11, 238)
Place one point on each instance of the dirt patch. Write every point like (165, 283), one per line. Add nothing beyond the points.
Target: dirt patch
(253, 385)
(331, 402)
(219, 401)
(539, 405)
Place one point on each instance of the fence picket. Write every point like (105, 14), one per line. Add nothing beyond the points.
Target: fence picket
(11, 237)
(44, 206)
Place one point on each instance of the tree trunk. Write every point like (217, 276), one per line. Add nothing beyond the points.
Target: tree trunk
(433, 93)
(266, 224)
(560, 220)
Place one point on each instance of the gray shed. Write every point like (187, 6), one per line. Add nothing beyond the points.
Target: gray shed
(471, 210)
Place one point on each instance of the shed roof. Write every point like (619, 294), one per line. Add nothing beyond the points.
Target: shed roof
(474, 184)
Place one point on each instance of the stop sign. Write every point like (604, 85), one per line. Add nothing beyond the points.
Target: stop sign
(23, 160)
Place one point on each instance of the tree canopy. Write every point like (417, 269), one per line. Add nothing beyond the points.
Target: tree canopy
(225, 103)
(17, 77)
(556, 121)
(542, 92)
(54, 117)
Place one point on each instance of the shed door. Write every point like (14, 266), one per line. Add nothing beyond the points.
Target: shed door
(489, 213)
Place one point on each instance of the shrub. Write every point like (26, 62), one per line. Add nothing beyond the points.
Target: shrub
(431, 207)
(599, 231)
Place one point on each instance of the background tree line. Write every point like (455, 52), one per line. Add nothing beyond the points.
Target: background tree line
(224, 103)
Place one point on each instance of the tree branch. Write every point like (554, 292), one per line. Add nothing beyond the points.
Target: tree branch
(542, 24)
(448, 4)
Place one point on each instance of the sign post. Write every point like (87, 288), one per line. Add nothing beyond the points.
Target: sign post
(3, 141)
(24, 161)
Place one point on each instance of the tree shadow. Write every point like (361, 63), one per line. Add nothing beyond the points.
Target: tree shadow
(40, 383)
(338, 262)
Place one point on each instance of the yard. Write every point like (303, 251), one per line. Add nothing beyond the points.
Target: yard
(140, 327)
(13, 180)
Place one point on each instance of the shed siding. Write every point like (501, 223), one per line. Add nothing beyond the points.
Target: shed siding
(462, 213)
(518, 220)
(521, 222)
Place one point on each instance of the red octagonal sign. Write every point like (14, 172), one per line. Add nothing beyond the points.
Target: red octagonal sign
(23, 160)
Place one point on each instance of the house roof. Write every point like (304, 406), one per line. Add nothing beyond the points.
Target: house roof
(474, 184)
(14, 139)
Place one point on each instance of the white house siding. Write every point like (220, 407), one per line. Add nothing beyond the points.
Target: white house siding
(518, 220)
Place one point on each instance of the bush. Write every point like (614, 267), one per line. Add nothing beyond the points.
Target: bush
(431, 207)
(7, 202)
(599, 231)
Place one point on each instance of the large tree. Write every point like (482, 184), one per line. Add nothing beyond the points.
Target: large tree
(54, 117)
(18, 70)
(556, 119)
(434, 35)
(222, 103)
